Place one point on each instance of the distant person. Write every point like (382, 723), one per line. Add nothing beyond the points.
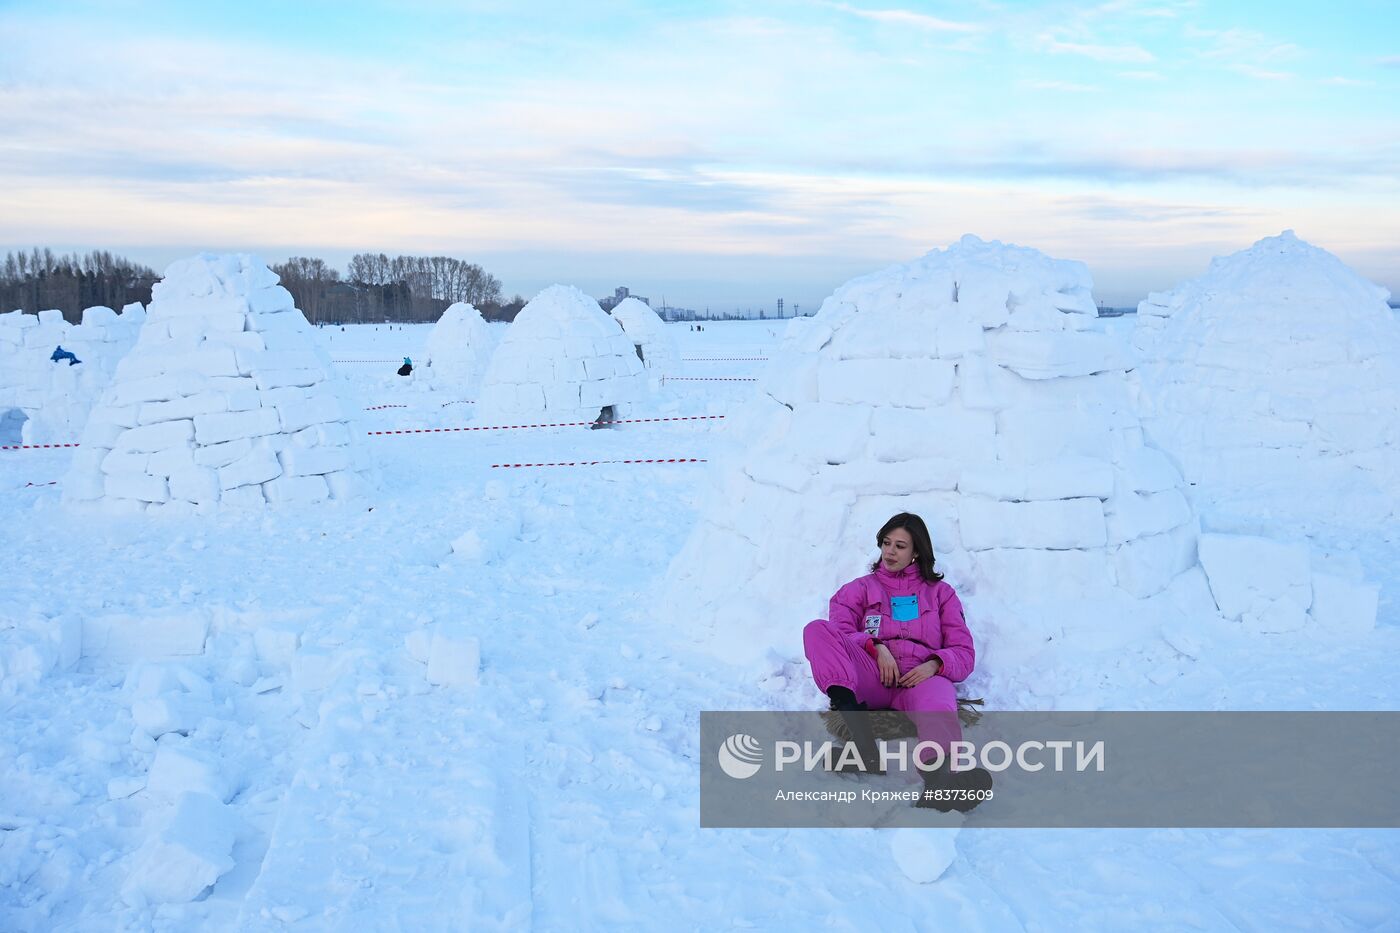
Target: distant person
(61, 354)
(407, 368)
(896, 639)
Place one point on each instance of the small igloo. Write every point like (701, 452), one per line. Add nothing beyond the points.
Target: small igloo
(458, 349)
(971, 387)
(562, 356)
(225, 400)
(67, 393)
(1271, 381)
(653, 344)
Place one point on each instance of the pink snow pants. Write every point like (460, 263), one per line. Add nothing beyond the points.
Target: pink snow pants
(838, 660)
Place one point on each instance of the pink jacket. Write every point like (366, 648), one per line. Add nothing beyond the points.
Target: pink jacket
(862, 610)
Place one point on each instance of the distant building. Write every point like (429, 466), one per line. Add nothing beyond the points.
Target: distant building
(619, 293)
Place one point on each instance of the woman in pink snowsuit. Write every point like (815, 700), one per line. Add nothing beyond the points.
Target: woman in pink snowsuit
(896, 639)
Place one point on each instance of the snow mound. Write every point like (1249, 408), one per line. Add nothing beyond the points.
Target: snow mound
(1270, 380)
(562, 355)
(649, 337)
(458, 349)
(967, 387)
(43, 401)
(923, 855)
(226, 400)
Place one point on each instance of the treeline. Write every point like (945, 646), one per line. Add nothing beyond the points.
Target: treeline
(375, 287)
(412, 289)
(40, 279)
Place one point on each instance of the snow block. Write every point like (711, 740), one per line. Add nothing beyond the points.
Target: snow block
(188, 852)
(295, 416)
(126, 637)
(1249, 574)
(1047, 355)
(153, 437)
(259, 466)
(922, 383)
(301, 461)
(1063, 478)
(1058, 525)
(179, 768)
(1343, 606)
(454, 658)
(218, 427)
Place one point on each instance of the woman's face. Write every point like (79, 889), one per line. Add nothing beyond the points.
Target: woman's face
(897, 550)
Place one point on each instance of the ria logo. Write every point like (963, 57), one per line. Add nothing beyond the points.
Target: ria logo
(740, 756)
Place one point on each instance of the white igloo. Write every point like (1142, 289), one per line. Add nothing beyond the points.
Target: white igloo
(67, 393)
(562, 356)
(458, 349)
(972, 387)
(653, 344)
(226, 400)
(26, 342)
(1271, 381)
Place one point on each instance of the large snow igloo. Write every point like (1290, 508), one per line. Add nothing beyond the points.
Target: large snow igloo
(647, 331)
(971, 387)
(562, 356)
(1271, 380)
(226, 400)
(458, 348)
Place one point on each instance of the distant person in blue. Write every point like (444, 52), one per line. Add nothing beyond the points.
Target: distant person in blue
(61, 354)
(407, 368)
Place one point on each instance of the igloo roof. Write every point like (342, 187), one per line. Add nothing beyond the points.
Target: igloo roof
(637, 317)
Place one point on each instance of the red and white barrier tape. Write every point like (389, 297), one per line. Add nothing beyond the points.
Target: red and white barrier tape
(708, 379)
(577, 463)
(399, 361)
(378, 407)
(464, 401)
(560, 424)
(724, 359)
(34, 446)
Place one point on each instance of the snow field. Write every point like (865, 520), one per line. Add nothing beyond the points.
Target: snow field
(554, 785)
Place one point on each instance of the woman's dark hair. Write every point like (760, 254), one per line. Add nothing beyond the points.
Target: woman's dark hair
(918, 534)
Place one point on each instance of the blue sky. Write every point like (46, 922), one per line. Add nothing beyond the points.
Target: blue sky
(719, 154)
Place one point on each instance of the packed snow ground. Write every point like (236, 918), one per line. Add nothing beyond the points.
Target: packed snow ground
(561, 790)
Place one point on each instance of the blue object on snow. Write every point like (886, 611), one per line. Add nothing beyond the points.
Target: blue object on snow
(61, 354)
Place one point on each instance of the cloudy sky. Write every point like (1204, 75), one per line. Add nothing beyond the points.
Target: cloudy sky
(717, 154)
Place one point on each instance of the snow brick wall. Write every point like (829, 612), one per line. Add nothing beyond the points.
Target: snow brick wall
(969, 387)
(647, 330)
(67, 393)
(226, 400)
(1271, 381)
(561, 355)
(458, 349)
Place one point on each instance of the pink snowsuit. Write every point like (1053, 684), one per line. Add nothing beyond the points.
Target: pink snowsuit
(841, 649)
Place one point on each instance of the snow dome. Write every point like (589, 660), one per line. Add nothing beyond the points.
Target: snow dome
(458, 349)
(970, 387)
(226, 399)
(648, 332)
(1271, 381)
(43, 401)
(562, 355)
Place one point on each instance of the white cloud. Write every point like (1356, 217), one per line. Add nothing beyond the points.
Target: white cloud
(1099, 53)
(1066, 86)
(899, 17)
(1262, 74)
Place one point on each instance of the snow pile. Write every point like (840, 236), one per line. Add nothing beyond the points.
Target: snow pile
(967, 387)
(458, 349)
(649, 337)
(562, 355)
(226, 399)
(1271, 381)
